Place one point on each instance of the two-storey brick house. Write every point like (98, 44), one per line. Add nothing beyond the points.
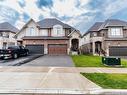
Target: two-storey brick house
(7, 32)
(49, 36)
(109, 37)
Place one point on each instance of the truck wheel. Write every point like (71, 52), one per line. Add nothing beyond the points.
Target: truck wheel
(3, 58)
(15, 55)
(27, 53)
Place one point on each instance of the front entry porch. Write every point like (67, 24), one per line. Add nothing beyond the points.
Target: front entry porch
(97, 48)
(75, 46)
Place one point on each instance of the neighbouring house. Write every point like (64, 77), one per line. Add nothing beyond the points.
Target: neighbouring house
(49, 36)
(7, 32)
(106, 38)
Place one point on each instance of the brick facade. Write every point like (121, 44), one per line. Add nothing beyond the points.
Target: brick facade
(86, 48)
(46, 43)
(107, 44)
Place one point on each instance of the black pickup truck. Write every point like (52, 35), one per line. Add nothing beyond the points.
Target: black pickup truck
(13, 52)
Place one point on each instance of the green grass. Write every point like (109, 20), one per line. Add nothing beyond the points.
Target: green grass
(91, 61)
(108, 81)
(124, 63)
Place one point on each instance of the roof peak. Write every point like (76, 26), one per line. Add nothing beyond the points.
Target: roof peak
(8, 27)
(49, 19)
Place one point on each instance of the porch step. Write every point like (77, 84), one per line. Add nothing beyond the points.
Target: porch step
(74, 53)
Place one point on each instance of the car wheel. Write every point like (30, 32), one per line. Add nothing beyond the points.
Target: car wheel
(2, 58)
(15, 55)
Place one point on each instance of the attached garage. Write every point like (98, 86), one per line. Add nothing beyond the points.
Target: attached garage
(118, 50)
(35, 49)
(57, 49)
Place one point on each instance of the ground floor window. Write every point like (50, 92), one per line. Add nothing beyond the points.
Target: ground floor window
(4, 45)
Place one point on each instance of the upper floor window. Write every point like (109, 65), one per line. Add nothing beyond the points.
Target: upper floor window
(5, 34)
(58, 30)
(32, 31)
(44, 32)
(94, 34)
(115, 32)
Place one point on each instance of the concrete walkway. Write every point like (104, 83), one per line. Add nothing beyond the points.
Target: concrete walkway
(53, 80)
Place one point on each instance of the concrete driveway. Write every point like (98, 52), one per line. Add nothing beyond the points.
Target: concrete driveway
(52, 61)
(19, 61)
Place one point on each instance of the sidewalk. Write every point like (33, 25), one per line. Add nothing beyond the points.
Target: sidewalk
(51, 80)
(102, 70)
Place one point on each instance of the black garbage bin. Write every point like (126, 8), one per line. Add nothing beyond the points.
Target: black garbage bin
(111, 61)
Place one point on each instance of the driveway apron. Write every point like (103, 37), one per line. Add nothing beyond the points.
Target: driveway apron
(52, 61)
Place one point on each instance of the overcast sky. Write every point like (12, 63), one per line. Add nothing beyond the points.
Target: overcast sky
(80, 14)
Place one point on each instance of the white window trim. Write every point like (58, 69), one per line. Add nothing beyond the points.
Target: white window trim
(55, 30)
(94, 34)
(115, 35)
(32, 33)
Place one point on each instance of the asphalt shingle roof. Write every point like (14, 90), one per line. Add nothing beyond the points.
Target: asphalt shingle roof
(113, 22)
(5, 26)
(103, 25)
(50, 22)
(96, 26)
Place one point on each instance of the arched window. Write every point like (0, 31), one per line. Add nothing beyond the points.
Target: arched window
(58, 30)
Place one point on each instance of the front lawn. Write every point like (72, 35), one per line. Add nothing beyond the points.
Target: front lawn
(91, 61)
(108, 81)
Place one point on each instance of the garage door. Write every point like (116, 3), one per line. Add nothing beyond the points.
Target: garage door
(57, 49)
(118, 51)
(35, 49)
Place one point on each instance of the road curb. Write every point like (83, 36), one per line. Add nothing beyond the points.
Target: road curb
(114, 92)
(26, 60)
(108, 92)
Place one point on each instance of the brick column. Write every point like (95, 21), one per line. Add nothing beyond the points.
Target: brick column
(93, 47)
(107, 50)
(45, 47)
(49, 32)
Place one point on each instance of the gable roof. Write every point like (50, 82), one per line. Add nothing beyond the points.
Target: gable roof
(50, 22)
(47, 23)
(113, 22)
(77, 31)
(108, 23)
(7, 27)
(25, 26)
(95, 27)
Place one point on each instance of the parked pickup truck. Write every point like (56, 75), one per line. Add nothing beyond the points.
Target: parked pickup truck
(13, 52)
